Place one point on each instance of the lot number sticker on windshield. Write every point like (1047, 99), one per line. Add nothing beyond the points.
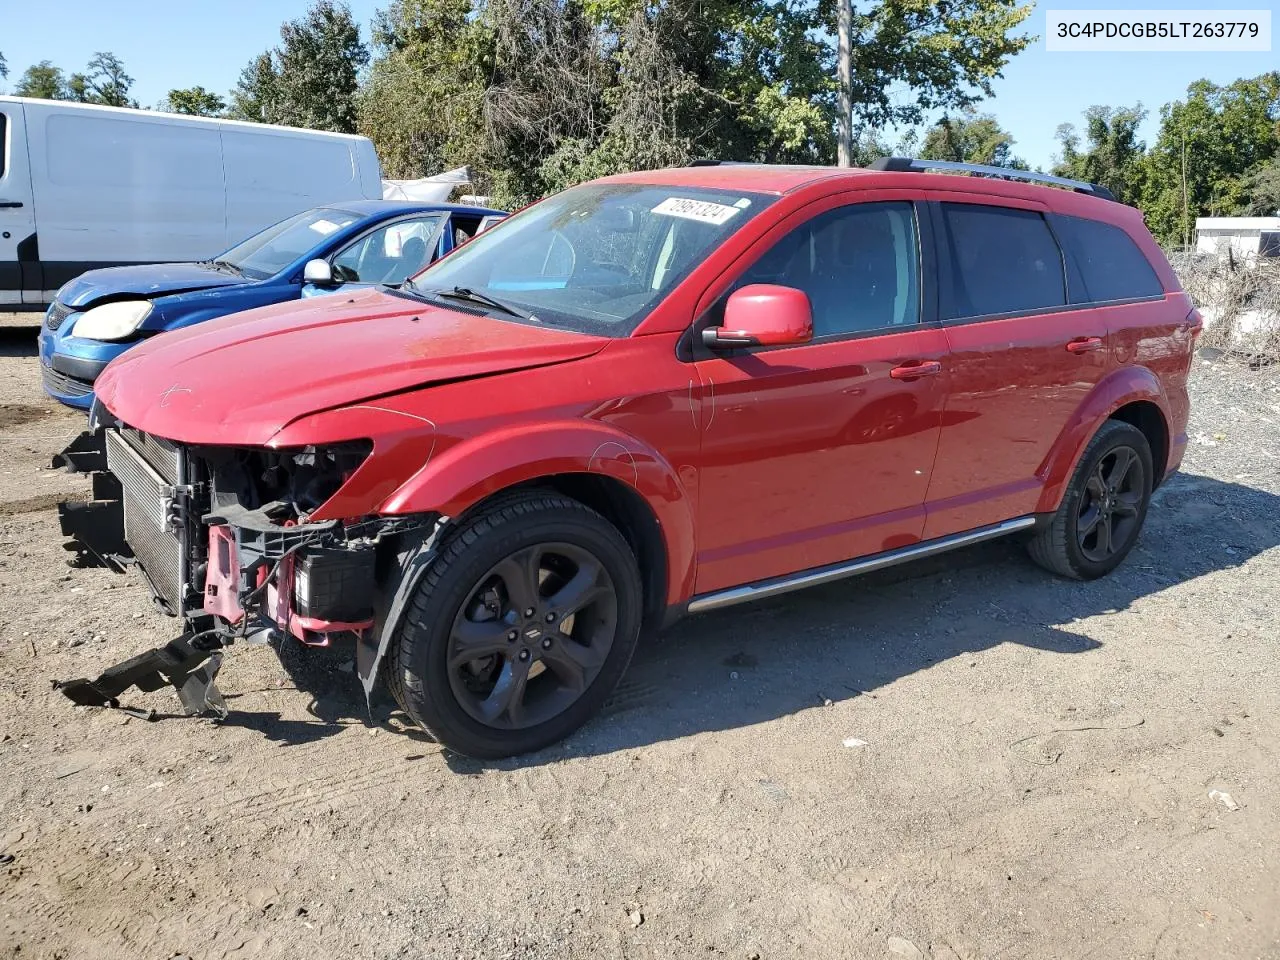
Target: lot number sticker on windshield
(701, 210)
(324, 227)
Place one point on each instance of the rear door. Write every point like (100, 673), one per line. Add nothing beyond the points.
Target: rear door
(1022, 358)
(20, 276)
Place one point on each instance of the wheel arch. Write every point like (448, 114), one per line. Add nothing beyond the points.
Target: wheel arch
(609, 471)
(1131, 394)
(1150, 419)
(624, 507)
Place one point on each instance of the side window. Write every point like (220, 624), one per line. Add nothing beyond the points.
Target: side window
(858, 264)
(1002, 261)
(464, 228)
(389, 254)
(4, 142)
(1112, 266)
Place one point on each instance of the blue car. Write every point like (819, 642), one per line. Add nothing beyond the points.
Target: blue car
(103, 313)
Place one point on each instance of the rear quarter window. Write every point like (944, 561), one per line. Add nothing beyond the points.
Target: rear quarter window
(4, 142)
(1000, 261)
(1111, 265)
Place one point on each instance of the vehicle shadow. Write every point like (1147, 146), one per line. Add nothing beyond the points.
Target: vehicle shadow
(21, 341)
(762, 661)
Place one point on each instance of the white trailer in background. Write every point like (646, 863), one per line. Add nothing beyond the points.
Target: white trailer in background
(1242, 238)
(84, 186)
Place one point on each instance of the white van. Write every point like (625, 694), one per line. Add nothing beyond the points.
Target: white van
(86, 186)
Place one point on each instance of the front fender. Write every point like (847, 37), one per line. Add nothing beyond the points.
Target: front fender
(464, 474)
(185, 310)
(1123, 386)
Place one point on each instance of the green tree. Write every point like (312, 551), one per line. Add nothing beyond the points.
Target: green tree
(312, 79)
(318, 63)
(1208, 146)
(971, 138)
(104, 82)
(1113, 155)
(43, 81)
(256, 95)
(914, 57)
(1262, 189)
(195, 101)
(423, 101)
(108, 81)
(4, 67)
(540, 94)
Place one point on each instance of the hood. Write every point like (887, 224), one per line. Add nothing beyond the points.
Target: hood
(241, 378)
(145, 280)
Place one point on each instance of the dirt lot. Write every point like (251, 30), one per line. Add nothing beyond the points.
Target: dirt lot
(967, 760)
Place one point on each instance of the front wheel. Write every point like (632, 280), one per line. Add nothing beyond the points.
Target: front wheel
(1104, 507)
(520, 628)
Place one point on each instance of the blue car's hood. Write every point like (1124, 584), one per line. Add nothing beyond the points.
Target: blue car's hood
(146, 280)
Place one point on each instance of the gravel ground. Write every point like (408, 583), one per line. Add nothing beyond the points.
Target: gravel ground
(969, 759)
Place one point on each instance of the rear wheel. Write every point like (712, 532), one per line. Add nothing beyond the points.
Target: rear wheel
(1104, 507)
(520, 629)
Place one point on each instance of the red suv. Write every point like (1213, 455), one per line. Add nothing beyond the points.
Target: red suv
(654, 394)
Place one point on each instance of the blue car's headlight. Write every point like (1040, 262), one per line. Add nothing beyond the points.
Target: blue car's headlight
(112, 321)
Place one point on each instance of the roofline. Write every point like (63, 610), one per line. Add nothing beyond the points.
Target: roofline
(184, 117)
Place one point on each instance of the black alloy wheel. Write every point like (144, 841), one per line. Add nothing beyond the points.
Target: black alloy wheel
(532, 636)
(520, 628)
(1103, 508)
(1109, 511)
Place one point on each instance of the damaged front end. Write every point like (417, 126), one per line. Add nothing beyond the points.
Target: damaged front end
(225, 538)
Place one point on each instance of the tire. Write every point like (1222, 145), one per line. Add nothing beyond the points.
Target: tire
(482, 675)
(1071, 544)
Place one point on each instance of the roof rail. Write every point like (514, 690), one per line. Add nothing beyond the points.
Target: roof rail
(909, 164)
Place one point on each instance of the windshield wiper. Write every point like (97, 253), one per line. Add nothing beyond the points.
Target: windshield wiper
(228, 266)
(475, 296)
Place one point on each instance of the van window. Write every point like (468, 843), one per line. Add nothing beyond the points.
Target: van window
(112, 152)
(1001, 261)
(1112, 266)
(856, 263)
(4, 143)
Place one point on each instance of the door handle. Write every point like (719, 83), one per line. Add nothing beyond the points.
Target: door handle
(1085, 345)
(10, 203)
(910, 371)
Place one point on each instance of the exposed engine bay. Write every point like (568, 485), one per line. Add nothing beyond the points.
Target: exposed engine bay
(226, 539)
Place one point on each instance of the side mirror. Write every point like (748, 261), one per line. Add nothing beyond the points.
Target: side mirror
(318, 272)
(763, 315)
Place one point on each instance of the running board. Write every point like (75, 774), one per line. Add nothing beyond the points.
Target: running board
(852, 568)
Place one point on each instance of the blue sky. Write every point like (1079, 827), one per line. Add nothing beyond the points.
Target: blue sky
(181, 43)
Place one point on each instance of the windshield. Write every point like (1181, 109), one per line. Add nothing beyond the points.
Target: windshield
(267, 253)
(594, 258)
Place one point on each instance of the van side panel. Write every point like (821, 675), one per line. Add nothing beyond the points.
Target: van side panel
(370, 169)
(270, 177)
(113, 190)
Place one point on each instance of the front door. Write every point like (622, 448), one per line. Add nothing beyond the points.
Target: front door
(387, 255)
(818, 453)
(20, 275)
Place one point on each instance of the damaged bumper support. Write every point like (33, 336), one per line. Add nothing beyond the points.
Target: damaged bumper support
(251, 578)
